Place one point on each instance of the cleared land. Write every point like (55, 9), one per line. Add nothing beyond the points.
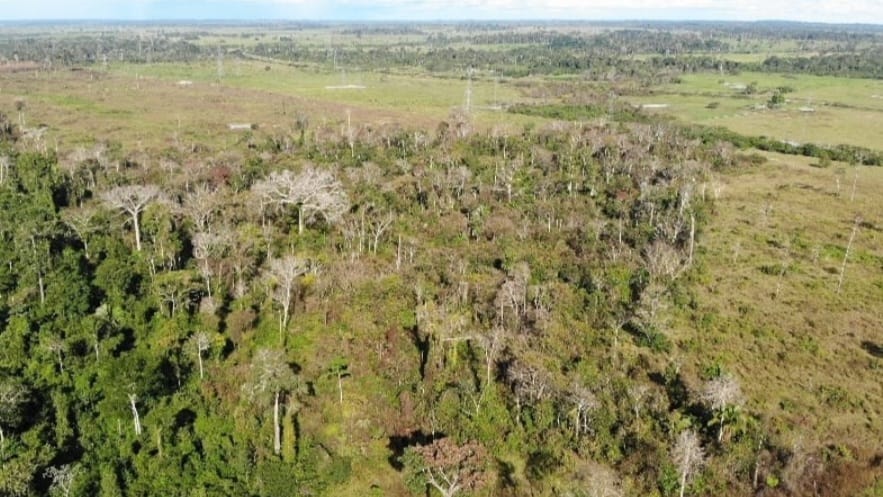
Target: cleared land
(824, 110)
(78, 106)
(769, 303)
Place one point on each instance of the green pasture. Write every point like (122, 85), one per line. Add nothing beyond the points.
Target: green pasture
(775, 244)
(432, 97)
(825, 110)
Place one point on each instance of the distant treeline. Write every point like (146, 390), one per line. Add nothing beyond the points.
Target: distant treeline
(843, 153)
(584, 112)
(867, 64)
(637, 52)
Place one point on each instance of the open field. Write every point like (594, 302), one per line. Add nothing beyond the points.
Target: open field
(772, 257)
(423, 95)
(821, 90)
(146, 106)
(824, 110)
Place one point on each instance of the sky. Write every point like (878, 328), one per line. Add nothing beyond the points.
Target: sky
(832, 11)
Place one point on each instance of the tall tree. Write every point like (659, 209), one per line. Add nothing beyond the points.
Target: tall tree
(688, 456)
(315, 192)
(198, 343)
(271, 374)
(448, 467)
(132, 200)
(282, 276)
(61, 479)
(12, 397)
(201, 205)
(724, 397)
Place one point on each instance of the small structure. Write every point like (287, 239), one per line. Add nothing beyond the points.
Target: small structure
(185, 83)
(654, 106)
(241, 126)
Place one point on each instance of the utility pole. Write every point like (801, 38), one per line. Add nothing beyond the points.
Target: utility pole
(858, 220)
(468, 107)
(220, 64)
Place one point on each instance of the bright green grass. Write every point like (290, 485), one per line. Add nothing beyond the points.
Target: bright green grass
(827, 125)
(844, 110)
(867, 93)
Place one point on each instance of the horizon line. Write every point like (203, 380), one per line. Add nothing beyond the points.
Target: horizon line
(423, 20)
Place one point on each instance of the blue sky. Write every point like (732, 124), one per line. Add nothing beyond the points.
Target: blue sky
(864, 11)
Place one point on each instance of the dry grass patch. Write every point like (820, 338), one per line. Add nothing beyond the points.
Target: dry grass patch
(769, 307)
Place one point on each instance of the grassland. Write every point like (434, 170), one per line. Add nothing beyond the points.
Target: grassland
(145, 106)
(769, 303)
(823, 110)
(410, 94)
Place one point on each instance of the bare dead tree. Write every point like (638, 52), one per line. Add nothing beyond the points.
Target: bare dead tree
(649, 311)
(378, 225)
(132, 200)
(451, 468)
(271, 374)
(638, 395)
(136, 419)
(722, 393)
(505, 177)
(12, 397)
(282, 276)
(5, 162)
(688, 456)
(663, 261)
(200, 205)
(584, 401)
(61, 479)
(591, 479)
(443, 325)
(83, 221)
(209, 245)
(315, 192)
(530, 384)
(513, 292)
(56, 346)
(858, 221)
(492, 342)
(198, 343)
(353, 230)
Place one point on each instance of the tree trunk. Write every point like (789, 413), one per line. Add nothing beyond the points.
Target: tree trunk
(340, 387)
(846, 254)
(300, 220)
(137, 231)
(277, 432)
(42, 288)
(399, 254)
(135, 418)
(199, 355)
(683, 483)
